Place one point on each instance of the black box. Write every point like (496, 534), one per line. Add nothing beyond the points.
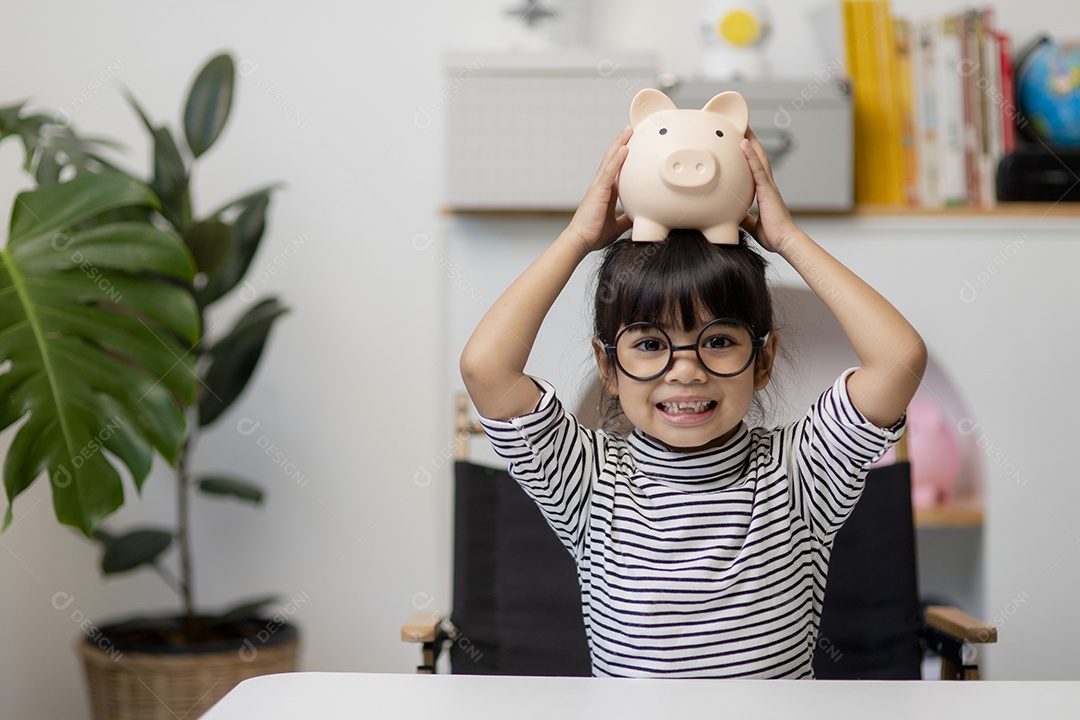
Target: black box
(1039, 173)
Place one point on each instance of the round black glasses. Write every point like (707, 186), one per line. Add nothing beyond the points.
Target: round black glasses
(725, 348)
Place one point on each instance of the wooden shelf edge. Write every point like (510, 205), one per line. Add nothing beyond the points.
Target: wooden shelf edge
(1005, 209)
(506, 212)
(965, 512)
(1036, 210)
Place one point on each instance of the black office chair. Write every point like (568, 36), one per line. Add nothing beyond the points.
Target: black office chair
(871, 619)
(872, 623)
(516, 599)
(517, 604)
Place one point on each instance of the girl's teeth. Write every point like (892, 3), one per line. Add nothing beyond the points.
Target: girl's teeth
(696, 407)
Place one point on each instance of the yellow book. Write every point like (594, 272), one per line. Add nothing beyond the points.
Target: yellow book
(860, 61)
(879, 168)
(889, 179)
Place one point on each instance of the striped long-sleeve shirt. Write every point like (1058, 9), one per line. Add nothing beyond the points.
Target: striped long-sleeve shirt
(709, 563)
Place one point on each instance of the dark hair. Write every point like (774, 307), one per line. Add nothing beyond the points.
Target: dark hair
(676, 283)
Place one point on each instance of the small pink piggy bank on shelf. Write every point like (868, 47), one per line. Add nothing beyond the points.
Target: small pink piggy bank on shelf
(685, 169)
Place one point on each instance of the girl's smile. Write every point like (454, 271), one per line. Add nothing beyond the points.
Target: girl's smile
(705, 416)
(687, 410)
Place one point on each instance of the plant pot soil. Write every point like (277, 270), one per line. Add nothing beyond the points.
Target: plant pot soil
(170, 668)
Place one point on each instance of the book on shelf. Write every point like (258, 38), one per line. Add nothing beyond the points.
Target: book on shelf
(902, 32)
(951, 116)
(970, 36)
(1008, 92)
(933, 103)
(871, 62)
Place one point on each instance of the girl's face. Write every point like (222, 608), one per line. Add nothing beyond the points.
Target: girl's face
(688, 407)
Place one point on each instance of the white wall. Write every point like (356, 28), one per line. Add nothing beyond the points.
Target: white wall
(356, 383)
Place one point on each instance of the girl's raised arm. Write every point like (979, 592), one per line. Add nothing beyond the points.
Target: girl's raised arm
(493, 362)
(893, 355)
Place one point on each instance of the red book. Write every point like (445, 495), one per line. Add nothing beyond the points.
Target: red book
(1008, 93)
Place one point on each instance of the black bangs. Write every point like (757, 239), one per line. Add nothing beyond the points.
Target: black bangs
(679, 282)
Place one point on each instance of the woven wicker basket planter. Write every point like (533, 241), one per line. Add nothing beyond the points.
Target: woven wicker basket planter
(178, 684)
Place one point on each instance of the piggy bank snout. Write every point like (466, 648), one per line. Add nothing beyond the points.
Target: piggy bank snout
(689, 168)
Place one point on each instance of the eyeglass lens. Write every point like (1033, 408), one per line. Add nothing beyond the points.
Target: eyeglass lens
(644, 350)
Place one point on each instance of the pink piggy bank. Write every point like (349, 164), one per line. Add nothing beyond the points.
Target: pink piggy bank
(685, 169)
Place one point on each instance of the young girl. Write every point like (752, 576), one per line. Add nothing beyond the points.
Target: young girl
(702, 546)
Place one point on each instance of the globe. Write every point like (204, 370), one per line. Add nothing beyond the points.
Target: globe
(1048, 92)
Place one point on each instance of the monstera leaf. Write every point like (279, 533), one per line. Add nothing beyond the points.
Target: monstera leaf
(96, 323)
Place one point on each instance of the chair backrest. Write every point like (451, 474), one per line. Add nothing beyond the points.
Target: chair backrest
(871, 617)
(517, 602)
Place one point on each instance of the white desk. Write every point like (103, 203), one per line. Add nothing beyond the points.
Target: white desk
(330, 696)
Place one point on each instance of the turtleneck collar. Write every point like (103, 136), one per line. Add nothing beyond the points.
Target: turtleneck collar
(696, 470)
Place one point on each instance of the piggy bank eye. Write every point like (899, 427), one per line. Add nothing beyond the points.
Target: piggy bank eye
(719, 133)
(663, 131)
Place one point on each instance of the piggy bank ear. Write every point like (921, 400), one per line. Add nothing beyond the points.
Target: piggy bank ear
(731, 105)
(647, 102)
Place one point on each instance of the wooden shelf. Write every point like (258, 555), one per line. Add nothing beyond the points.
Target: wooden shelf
(1038, 210)
(506, 212)
(966, 512)
(1031, 210)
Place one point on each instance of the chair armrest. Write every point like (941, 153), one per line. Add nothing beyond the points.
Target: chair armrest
(960, 625)
(422, 626)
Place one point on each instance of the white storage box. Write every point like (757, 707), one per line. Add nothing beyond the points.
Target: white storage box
(526, 131)
(805, 126)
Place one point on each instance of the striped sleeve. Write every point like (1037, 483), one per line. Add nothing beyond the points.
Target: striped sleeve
(829, 452)
(555, 460)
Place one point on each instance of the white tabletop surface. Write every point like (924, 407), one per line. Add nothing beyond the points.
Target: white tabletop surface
(330, 696)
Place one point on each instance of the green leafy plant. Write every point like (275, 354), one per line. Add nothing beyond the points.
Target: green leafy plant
(106, 281)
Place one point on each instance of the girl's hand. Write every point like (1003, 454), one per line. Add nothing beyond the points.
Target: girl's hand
(773, 224)
(595, 223)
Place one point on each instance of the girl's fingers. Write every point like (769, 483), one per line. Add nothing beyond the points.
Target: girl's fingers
(759, 165)
(758, 150)
(619, 142)
(616, 161)
(754, 154)
(608, 173)
(748, 150)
